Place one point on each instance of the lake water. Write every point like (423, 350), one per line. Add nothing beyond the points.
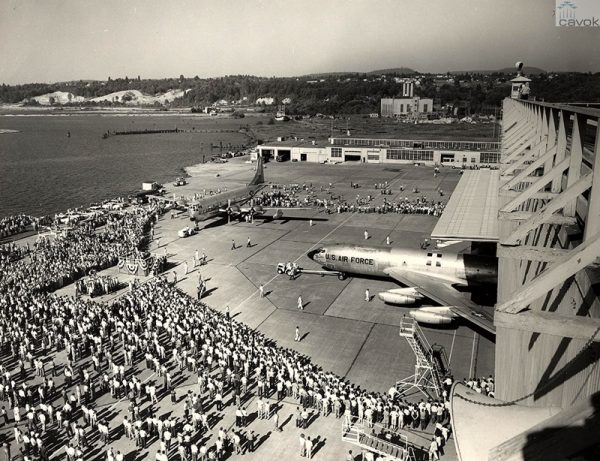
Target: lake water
(42, 171)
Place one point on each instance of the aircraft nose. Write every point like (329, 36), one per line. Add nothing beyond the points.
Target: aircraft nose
(311, 254)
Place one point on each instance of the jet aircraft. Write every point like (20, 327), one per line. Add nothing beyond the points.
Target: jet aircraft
(424, 273)
(237, 203)
(230, 203)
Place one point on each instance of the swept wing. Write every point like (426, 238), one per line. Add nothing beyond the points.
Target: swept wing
(445, 295)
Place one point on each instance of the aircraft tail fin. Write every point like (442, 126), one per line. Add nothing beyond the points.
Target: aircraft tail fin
(259, 176)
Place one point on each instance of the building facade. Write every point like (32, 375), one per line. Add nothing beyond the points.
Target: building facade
(396, 107)
(457, 154)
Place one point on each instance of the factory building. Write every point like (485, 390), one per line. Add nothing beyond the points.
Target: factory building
(407, 105)
(457, 154)
(392, 107)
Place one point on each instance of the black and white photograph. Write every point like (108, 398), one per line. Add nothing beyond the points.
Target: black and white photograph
(340, 230)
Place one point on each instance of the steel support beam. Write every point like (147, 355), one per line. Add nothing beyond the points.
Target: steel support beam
(576, 156)
(527, 215)
(546, 213)
(577, 259)
(528, 193)
(561, 150)
(537, 195)
(531, 253)
(531, 155)
(592, 224)
(549, 323)
(530, 168)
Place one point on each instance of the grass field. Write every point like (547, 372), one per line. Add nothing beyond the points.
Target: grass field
(369, 127)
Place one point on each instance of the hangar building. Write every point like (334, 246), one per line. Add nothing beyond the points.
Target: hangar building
(458, 154)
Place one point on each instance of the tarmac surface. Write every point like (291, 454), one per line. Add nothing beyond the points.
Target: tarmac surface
(339, 330)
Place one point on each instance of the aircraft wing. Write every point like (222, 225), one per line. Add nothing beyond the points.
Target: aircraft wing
(445, 295)
(247, 209)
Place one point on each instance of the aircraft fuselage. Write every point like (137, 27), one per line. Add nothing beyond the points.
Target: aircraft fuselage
(375, 260)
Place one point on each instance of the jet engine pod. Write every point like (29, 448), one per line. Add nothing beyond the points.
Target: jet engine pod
(400, 296)
(433, 315)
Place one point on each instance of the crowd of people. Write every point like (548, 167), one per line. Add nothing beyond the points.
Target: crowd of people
(144, 345)
(61, 258)
(156, 327)
(277, 198)
(95, 285)
(16, 224)
(403, 205)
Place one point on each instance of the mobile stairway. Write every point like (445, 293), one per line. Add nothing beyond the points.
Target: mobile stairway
(376, 439)
(428, 375)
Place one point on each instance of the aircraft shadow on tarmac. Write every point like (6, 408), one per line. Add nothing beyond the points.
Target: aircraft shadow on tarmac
(287, 219)
(482, 296)
(260, 220)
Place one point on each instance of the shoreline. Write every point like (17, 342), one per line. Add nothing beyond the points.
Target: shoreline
(8, 110)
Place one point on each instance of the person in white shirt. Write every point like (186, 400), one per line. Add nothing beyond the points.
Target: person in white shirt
(309, 447)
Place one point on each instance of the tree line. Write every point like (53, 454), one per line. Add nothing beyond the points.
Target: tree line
(329, 94)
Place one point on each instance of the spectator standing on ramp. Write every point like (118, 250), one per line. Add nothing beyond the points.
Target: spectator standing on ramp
(367, 295)
(276, 421)
(309, 447)
(233, 247)
(261, 290)
(300, 303)
(366, 235)
(297, 336)
(248, 243)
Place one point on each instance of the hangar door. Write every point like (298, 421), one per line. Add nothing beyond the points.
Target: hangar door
(352, 157)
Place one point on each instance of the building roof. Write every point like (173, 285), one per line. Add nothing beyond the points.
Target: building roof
(294, 143)
(472, 211)
(520, 79)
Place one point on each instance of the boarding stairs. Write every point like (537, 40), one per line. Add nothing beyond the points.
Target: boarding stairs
(428, 375)
(373, 438)
(440, 356)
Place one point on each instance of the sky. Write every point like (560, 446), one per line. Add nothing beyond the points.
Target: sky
(61, 40)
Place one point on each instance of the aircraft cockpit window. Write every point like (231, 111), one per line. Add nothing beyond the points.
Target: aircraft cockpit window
(429, 255)
(439, 255)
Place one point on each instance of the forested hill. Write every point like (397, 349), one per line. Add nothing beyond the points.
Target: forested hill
(329, 94)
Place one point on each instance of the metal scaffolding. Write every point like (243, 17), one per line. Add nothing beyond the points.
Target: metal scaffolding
(427, 376)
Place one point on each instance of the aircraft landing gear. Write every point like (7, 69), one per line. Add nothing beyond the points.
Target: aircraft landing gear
(341, 276)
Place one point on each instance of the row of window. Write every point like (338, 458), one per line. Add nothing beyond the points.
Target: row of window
(489, 157)
(437, 145)
(419, 154)
(410, 154)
